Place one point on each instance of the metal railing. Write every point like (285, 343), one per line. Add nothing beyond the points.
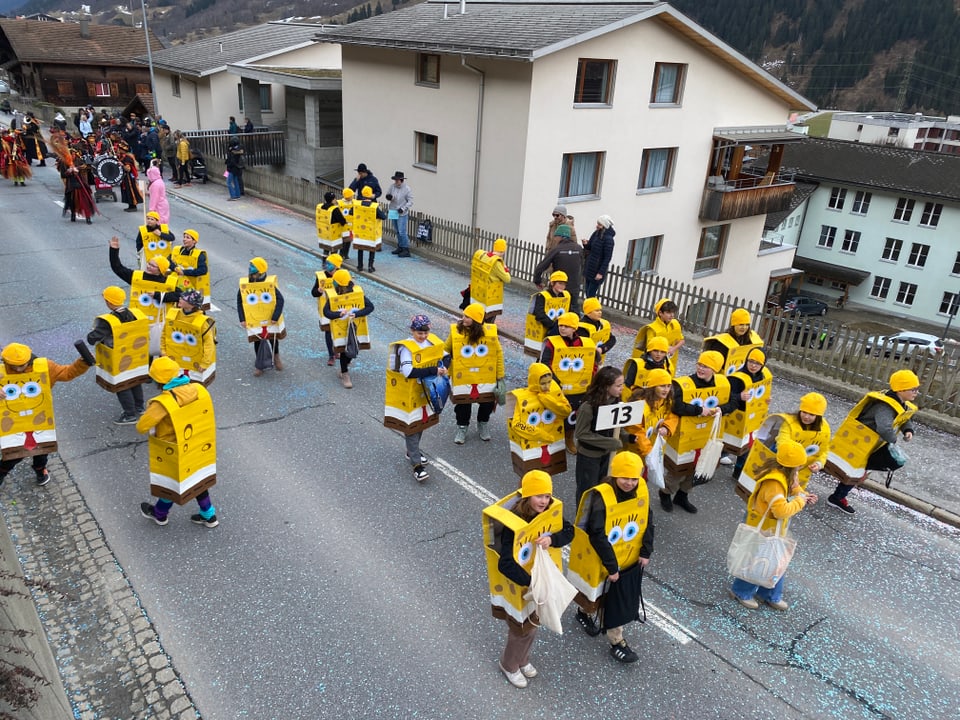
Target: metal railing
(261, 147)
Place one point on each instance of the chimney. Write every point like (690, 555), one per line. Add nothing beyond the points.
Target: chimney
(85, 27)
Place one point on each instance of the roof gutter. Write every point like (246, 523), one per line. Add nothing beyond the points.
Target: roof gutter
(476, 160)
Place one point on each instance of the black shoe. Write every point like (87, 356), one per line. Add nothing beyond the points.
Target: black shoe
(403, 253)
(43, 477)
(126, 419)
(146, 509)
(130, 209)
(371, 268)
(588, 624)
(666, 501)
(359, 268)
(840, 504)
(199, 519)
(73, 219)
(623, 653)
(396, 252)
(89, 221)
(680, 500)
(420, 473)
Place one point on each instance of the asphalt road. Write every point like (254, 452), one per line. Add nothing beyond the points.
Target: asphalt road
(337, 587)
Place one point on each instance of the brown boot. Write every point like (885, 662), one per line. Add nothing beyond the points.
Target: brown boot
(345, 380)
(257, 372)
(277, 362)
(571, 445)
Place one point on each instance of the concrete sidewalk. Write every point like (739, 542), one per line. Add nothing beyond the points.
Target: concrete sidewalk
(447, 278)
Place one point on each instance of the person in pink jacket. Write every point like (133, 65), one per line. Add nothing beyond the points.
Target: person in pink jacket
(158, 194)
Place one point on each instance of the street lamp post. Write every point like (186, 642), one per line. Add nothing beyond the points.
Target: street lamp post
(153, 80)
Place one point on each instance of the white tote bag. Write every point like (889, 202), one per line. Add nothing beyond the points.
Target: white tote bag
(710, 454)
(654, 463)
(549, 590)
(759, 557)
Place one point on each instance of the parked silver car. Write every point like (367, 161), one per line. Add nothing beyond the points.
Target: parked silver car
(903, 344)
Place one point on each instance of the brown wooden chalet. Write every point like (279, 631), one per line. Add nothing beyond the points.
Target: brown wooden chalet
(75, 64)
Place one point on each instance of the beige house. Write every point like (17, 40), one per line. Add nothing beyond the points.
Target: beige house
(498, 111)
(276, 74)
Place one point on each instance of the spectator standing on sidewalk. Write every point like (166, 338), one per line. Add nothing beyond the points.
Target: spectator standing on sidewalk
(599, 251)
(365, 178)
(235, 167)
(558, 218)
(400, 197)
(168, 146)
(183, 160)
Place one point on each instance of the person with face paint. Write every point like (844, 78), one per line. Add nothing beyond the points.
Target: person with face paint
(260, 308)
(30, 430)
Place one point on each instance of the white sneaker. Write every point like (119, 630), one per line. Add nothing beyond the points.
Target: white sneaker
(515, 678)
(461, 437)
(726, 460)
(529, 671)
(423, 458)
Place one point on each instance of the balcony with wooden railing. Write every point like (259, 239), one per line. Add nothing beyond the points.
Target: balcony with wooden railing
(746, 196)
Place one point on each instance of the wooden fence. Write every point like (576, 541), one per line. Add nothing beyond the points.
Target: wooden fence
(816, 346)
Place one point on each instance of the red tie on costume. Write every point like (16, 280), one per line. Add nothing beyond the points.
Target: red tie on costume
(544, 455)
(474, 393)
(30, 443)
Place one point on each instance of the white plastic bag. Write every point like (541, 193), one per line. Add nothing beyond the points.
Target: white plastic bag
(710, 454)
(654, 463)
(549, 590)
(758, 557)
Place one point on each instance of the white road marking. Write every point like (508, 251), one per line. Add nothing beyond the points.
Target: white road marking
(214, 308)
(657, 617)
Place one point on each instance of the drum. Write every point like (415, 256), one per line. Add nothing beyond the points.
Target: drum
(108, 169)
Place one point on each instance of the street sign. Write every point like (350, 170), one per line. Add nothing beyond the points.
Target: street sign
(619, 415)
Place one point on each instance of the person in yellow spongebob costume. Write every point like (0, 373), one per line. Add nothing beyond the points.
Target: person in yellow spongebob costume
(260, 307)
(488, 275)
(512, 527)
(535, 423)
(613, 542)
(27, 425)
(183, 445)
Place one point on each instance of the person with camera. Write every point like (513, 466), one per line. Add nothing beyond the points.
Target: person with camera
(400, 197)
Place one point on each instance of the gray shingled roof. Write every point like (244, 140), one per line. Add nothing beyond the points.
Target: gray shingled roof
(516, 29)
(898, 170)
(202, 57)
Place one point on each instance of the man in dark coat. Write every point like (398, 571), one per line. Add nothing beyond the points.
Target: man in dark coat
(599, 249)
(365, 178)
(566, 256)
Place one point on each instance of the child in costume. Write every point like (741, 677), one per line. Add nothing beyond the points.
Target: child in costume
(29, 427)
(736, 342)
(476, 370)
(190, 264)
(122, 341)
(346, 303)
(664, 325)
(511, 527)
(331, 224)
(323, 281)
(535, 423)
(260, 307)
(658, 416)
(190, 338)
(778, 490)
(346, 205)
(750, 389)
(183, 445)
(613, 541)
(545, 307)
(593, 326)
(488, 275)
(367, 218)
(867, 438)
(635, 369)
(407, 407)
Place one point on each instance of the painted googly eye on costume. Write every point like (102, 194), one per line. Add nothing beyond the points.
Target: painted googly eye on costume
(145, 299)
(482, 351)
(525, 553)
(152, 245)
(162, 244)
(615, 535)
(533, 418)
(565, 364)
(252, 298)
(711, 402)
(577, 364)
(759, 391)
(548, 417)
(553, 313)
(697, 401)
(811, 450)
(751, 394)
(177, 337)
(31, 389)
(467, 351)
(266, 297)
(630, 530)
(190, 339)
(731, 370)
(11, 391)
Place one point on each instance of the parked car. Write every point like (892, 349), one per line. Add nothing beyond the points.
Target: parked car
(806, 333)
(4, 87)
(903, 344)
(803, 305)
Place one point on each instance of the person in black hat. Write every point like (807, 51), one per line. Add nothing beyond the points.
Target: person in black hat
(365, 178)
(400, 197)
